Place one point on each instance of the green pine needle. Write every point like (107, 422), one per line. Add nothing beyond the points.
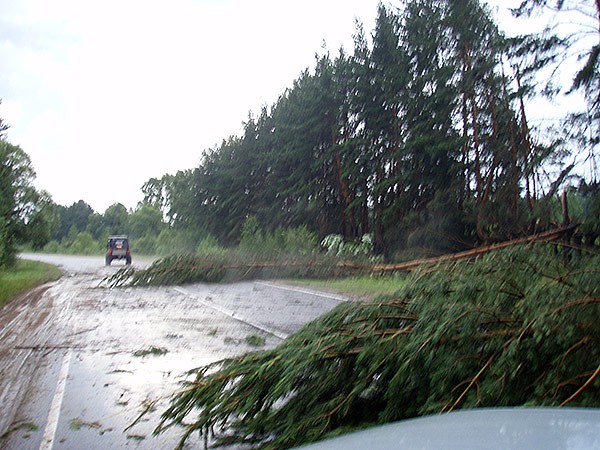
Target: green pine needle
(517, 327)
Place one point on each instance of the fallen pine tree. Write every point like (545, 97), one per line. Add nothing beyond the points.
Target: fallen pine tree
(519, 326)
(191, 268)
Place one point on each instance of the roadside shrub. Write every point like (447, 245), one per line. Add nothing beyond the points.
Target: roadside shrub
(51, 247)
(300, 241)
(209, 247)
(170, 242)
(145, 245)
(362, 249)
(282, 244)
(252, 239)
(84, 244)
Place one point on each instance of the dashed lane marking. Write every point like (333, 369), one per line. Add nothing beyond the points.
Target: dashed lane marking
(233, 315)
(304, 291)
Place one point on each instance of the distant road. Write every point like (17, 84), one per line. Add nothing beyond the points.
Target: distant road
(82, 264)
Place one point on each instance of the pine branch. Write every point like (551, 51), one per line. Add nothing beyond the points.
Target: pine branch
(455, 338)
(582, 388)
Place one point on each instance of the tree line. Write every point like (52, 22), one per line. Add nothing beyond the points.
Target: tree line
(419, 137)
(79, 229)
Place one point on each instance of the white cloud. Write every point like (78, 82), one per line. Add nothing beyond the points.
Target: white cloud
(149, 83)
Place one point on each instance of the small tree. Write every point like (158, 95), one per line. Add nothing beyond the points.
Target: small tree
(116, 219)
(17, 198)
(145, 221)
(44, 220)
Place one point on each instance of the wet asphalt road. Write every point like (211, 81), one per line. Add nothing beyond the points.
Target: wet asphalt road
(79, 361)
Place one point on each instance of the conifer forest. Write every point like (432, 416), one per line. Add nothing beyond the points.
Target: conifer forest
(418, 137)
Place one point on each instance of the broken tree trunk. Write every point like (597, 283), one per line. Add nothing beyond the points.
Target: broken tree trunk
(411, 265)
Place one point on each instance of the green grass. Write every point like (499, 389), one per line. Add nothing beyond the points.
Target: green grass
(25, 426)
(78, 424)
(361, 286)
(24, 276)
(151, 351)
(255, 340)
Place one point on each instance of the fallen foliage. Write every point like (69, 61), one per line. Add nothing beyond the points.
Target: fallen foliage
(236, 266)
(192, 268)
(519, 326)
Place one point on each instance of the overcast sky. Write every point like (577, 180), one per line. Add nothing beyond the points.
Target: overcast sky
(105, 95)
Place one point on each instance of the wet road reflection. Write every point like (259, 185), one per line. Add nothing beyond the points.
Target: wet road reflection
(103, 355)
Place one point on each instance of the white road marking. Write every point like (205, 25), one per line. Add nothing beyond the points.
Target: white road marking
(233, 315)
(304, 291)
(54, 414)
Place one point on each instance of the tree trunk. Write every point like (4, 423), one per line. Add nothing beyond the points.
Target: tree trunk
(465, 151)
(478, 177)
(467, 65)
(347, 214)
(378, 200)
(514, 178)
(526, 137)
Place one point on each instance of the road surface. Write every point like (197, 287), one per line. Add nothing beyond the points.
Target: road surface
(79, 361)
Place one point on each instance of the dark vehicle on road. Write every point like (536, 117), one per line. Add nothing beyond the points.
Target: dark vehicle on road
(118, 248)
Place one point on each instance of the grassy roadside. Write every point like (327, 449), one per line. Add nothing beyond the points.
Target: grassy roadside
(368, 287)
(24, 276)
